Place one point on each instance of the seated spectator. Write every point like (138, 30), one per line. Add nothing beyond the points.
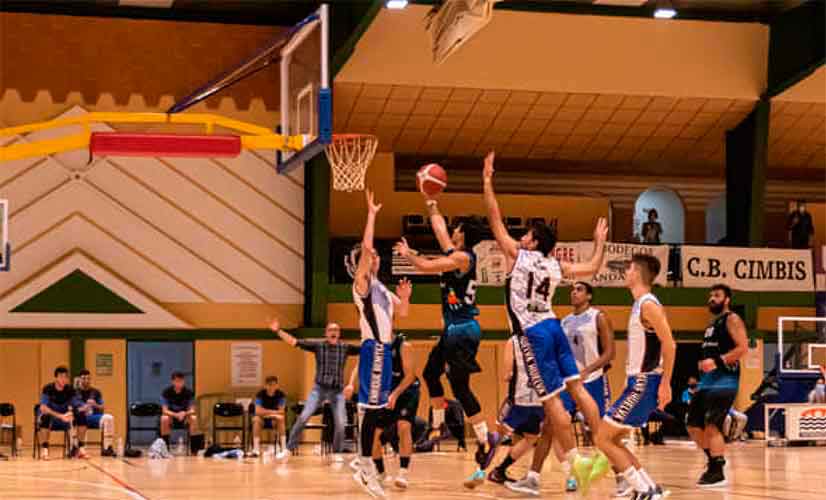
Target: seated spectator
(690, 391)
(59, 403)
(92, 406)
(270, 403)
(178, 404)
(818, 394)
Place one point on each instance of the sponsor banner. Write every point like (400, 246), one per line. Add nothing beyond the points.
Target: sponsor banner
(806, 422)
(491, 269)
(748, 269)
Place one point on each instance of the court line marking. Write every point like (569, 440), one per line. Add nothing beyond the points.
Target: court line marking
(134, 494)
(132, 491)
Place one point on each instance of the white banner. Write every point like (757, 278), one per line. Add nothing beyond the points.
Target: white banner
(806, 422)
(490, 267)
(748, 269)
(246, 361)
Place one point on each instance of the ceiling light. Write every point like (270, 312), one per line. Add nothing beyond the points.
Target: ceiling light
(664, 10)
(395, 4)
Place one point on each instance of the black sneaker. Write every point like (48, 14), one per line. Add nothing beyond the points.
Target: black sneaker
(484, 454)
(108, 452)
(712, 478)
(499, 477)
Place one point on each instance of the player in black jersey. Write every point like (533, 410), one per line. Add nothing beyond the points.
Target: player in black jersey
(725, 343)
(455, 353)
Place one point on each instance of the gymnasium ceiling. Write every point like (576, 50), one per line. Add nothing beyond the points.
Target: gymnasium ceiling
(285, 12)
(645, 92)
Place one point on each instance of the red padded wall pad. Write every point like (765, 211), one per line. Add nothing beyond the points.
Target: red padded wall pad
(193, 146)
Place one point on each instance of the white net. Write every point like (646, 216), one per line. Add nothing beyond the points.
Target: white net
(349, 156)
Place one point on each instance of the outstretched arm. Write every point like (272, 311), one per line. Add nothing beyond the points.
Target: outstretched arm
(275, 326)
(579, 269)
(437, 222)
(362, 278)
(456, 260)
(508, 245)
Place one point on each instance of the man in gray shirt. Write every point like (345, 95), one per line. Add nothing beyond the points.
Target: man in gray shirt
(330, 356)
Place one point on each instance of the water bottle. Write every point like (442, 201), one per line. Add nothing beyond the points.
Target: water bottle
(19, 444)
(180, 449)
(236, 443)
(120, 447)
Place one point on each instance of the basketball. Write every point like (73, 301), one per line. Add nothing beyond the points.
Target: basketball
(431, 179)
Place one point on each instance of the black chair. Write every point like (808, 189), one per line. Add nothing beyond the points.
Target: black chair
(228, 411)
(67, 440)
(326, 426)
(7, 411)
(142, 410)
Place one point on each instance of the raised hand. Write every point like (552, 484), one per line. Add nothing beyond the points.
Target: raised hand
(372, 206)
(487, 172)
(275, 325)
(601, 230)
(405, 289)
(402, 248)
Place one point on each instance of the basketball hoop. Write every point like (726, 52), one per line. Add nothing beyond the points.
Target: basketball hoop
(349, 156)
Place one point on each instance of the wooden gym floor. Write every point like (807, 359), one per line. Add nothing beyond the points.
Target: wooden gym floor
(754, 472)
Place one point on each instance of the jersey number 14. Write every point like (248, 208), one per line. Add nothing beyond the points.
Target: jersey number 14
(544, 288)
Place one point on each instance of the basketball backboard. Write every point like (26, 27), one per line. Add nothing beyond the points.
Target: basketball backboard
(800, 344)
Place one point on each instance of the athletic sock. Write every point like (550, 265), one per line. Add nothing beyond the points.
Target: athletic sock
(256, 444)
(404, 462)
(283, 439)
(379, 465)
(708, 454)
(507, 462)
(533, 475)
(651, 484)
(635, 480)
(481, 430)
(438, 417)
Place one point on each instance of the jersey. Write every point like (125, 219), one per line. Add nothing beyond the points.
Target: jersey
(375, 312)
(519, 389)
(530, 289)
(717, 342)
(644, 348)
(459, 293)
(93, 394)
(583, 336)
(398, 363)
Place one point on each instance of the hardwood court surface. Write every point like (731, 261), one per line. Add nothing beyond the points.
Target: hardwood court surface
(754, 471)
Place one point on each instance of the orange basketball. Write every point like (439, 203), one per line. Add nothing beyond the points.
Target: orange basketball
(431, 179)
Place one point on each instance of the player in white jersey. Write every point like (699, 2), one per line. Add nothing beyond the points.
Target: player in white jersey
(376, 306)
(649, 365)
(591, 337)
(523, 414)
(533, 277)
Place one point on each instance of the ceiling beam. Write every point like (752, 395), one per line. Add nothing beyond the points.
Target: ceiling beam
(797, 46)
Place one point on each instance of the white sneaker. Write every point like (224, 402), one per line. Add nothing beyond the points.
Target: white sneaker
(526, 486)
(338, 458)
(623, 488)
(369, 482)
(401, 479)
(282, 455)
(44, 453)
(354, 464)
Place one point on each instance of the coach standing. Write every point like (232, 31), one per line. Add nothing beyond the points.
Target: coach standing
(330, 356)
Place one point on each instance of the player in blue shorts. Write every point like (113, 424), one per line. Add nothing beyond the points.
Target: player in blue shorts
(533, 277)
(455, 353)
(376, 305)
(649, 365)
(92, 401)
(591, 337)
(524, 413)
(58, 411)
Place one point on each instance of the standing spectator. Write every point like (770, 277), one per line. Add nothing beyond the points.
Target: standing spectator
(330, 357)
(800, 227)
(652, 230)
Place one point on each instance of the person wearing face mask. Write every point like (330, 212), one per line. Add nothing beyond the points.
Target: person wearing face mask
(724, 345)
(690, 391)
(818, 394)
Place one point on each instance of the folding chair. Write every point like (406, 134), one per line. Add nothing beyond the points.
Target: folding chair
(228, 411)
(67, 439)
(7, 411)
(142, 410)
